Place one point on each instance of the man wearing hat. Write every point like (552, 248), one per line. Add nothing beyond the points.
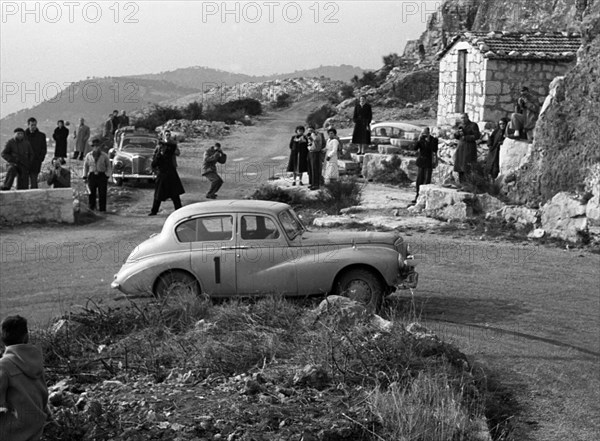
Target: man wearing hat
(96, 172)
(19, 155)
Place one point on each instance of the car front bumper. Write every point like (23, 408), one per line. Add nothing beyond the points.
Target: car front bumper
(410, 281)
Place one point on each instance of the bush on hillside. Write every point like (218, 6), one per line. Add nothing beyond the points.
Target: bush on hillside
(318, 116)
(157, 116)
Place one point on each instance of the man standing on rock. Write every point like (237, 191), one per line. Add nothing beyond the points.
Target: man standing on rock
(427, 146)
(81, 135)
(19, 155)
(213, 155)
(466, 152)
(37, 140)
(123, 119)
(363, 114)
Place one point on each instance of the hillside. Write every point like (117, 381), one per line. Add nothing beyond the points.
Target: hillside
(93, 99)
(203, 77)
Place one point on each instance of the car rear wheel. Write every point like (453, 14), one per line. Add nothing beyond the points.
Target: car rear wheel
(363, 286)
(176, 284)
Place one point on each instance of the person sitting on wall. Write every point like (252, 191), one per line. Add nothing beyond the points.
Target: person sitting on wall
(515, 129)
(523, 121)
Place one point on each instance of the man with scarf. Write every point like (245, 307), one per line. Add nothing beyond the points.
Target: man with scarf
(96, 172)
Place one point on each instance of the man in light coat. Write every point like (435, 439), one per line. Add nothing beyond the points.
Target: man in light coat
(82, 136)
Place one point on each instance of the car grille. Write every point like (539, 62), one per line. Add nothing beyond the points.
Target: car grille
(139, 164)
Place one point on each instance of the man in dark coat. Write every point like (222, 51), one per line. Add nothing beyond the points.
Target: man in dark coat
(466, 152)
(37, 140)
(60, 136)
(209, 169)
(494, 142)
(123, 119)
(19, 155)
(427, 146)
(363, 115)
(167, 184)
(115, 120)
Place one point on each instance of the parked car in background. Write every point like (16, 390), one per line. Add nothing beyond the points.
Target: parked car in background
(248, 248)
(132, 155)
(397, 133)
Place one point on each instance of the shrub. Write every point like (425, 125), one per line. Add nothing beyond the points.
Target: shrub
(283, 100)
(318, 116)
(346, 91)
(369, 78)
(193, 111)
(343, 193)
(158, 115)
(273, 193)
(233, 111)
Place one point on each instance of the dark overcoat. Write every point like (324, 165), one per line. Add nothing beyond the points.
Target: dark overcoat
(363, 116)
(60, 136)
(37, 140)
(493, 157)
(466, 152)
(298, 162)
(426, 148)
(167, 182)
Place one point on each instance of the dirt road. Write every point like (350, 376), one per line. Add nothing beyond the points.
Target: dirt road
(530, 312)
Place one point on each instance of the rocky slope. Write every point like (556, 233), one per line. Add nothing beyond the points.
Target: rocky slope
(565, 155)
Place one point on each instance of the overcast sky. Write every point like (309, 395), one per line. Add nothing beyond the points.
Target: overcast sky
(43, 44)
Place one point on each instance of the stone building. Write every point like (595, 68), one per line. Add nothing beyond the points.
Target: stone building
(482, 73)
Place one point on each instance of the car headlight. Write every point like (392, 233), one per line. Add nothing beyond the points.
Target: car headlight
(118, 165)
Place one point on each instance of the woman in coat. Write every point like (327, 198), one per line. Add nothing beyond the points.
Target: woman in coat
(363, 115)
(167, 184)
(298, 162)
(494, 142)
(60, 136)
(331, 172)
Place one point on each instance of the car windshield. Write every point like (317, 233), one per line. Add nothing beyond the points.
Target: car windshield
(291, 224)
(133, 143)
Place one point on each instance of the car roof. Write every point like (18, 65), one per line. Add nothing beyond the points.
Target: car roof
(399, 125)
(227, 206)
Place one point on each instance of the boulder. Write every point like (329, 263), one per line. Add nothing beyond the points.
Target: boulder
(513, 155)
(373, 162)
(445, 203)
(538, 233)
(357, 158)
(443, 174)
(409, 166)
(592, 210)
(522, 216)
(486, 203)
(564, 216)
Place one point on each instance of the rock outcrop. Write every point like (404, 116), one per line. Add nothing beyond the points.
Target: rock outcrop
(565, 217)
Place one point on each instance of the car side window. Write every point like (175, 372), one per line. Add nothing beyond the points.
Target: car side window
(205, 229)
(258, 228)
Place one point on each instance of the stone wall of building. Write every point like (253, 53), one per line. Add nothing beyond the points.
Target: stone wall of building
(474, 96)
(504, 79)
(40, 205)
(493, 86)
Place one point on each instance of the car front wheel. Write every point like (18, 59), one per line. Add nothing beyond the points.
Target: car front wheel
(362, 286)
(176, 284)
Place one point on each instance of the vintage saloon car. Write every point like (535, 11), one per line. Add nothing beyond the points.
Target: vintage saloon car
(132, 155)
(248, 247)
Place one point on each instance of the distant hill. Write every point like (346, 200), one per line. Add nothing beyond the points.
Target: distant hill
(204, 78)
(93, 99)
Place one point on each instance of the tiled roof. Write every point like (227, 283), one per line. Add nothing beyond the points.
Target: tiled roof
(521, 45)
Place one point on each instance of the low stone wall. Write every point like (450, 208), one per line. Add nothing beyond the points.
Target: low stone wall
(40, 205)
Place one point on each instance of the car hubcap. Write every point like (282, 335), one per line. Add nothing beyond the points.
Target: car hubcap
(359, 291)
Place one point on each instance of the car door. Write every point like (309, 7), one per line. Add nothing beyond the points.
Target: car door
(265, 262)
(212, 252)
